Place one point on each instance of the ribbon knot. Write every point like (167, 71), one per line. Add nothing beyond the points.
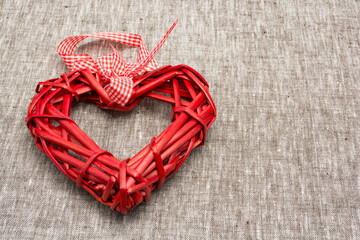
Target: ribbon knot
(113, 67)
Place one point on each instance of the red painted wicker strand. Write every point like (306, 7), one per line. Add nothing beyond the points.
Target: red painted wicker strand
(121, 184)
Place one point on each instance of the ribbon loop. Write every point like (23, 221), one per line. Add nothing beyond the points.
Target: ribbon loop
(113, 67)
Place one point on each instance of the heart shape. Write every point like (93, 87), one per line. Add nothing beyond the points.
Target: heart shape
(121, 184)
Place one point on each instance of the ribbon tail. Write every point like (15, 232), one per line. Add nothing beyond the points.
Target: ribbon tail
(140, 66)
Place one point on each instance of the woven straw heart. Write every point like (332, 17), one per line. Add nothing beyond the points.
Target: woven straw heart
(121, 184)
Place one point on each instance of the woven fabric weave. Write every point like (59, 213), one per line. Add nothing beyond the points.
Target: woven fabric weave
(281, 160)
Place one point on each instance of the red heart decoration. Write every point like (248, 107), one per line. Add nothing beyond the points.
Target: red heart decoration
(121, 184)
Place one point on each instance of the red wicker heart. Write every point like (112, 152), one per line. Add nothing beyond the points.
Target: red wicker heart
(121, 184)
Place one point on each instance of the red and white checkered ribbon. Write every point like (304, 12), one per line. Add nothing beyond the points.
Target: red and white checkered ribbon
(112, 66)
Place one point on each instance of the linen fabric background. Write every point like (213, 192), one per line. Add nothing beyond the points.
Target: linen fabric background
(281, 160)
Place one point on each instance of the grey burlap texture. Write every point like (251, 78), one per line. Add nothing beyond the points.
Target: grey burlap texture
(281, 160)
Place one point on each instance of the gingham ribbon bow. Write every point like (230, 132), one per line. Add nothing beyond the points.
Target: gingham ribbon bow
(113, 67)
